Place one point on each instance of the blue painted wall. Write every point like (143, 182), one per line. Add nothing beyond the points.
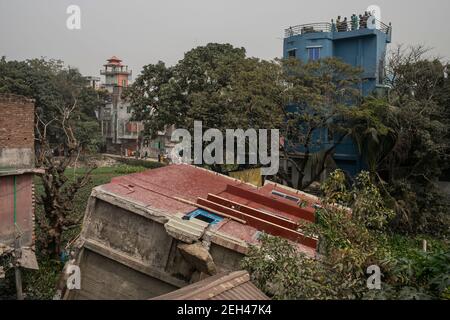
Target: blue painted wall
(364, 48)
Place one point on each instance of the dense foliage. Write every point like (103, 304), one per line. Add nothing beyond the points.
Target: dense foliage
(53, 86)
(405, 140)
(350, 242)
(216, 84)
(319, 99)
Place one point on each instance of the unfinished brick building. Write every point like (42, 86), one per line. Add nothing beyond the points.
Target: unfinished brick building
(16, 176)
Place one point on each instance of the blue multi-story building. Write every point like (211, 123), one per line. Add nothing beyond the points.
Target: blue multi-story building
(360, 46)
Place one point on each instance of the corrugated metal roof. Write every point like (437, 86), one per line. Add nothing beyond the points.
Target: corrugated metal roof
(226, 286)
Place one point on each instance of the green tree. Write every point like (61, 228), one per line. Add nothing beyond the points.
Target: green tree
(317, 101)
(52, 85)
(350, 240)
(349, 243)
(59, 191)
(216, 84)
(404, 138)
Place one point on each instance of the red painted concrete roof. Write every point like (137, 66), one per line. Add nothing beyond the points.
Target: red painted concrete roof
(159, 188)
(114, 58)
(114, 61)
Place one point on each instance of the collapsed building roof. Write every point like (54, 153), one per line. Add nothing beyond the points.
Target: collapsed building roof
(236, 212)
(154, 232)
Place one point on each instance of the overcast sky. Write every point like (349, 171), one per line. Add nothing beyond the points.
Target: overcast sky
(145, 31)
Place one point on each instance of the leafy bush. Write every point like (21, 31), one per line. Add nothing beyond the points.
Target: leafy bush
(420, 210)
(420, 274)
(349, 242)
(365, 199)
(282, 272)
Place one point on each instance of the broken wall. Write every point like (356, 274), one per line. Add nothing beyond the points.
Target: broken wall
(127, 253)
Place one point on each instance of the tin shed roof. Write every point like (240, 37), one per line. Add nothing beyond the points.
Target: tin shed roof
(226, 286)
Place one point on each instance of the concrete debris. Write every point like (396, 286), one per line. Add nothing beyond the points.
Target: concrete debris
(199, 257)
(4, 250)
(188, 231)
(28, 259)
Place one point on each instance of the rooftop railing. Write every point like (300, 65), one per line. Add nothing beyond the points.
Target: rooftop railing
(336, 27)
(116, 71)
(307, 28)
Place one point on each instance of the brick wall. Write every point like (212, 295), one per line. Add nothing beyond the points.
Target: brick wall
(16, 122)
(16, 132)
(16, 152)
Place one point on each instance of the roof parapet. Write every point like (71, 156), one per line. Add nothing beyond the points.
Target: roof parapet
(319, 27)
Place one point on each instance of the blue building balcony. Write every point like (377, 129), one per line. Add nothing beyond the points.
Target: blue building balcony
(360, 47)
(363, 47)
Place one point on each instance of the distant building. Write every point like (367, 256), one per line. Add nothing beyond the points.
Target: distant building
(17, 169)
(120, 132)
(122, 135)
(360, 44)
(161, 145)
(116, 74)
(92, 82)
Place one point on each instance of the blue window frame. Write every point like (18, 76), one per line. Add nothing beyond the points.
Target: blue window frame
(204, 216)
(314, 53)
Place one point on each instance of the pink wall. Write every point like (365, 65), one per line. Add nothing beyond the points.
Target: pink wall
(24, 209)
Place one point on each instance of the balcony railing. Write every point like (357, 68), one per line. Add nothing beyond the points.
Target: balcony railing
(307, 28)
(328, 27)
(104, 72)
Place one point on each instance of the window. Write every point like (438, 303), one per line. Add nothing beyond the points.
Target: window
(292, 53)
(204, 218)
(314, 53)
(124, 83)
(203, 215)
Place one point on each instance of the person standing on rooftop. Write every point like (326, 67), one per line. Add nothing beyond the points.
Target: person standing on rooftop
(354, 22)
(345, 25)
(333, 26)
(362, 22)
